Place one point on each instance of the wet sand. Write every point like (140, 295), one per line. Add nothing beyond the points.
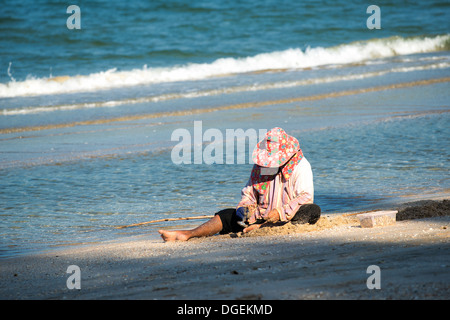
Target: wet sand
(247, 105)
(325, 261)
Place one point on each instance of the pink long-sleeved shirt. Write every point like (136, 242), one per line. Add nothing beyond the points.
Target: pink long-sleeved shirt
(285, 196)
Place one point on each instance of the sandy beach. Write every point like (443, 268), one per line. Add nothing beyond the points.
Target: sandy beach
(118, 113)
(327, 261)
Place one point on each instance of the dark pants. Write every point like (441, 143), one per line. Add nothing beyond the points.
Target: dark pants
(308, 213)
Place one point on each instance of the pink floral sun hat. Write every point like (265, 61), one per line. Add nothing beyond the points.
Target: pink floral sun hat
(275, 149)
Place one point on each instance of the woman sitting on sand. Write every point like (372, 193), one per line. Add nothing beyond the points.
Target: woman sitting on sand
(280, 188)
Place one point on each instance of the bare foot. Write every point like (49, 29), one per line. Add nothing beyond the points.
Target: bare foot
(174, 235)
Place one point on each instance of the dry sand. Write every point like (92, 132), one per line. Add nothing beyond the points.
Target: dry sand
(326, 261)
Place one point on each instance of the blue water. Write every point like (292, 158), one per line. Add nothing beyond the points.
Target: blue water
(131, 34)
(86, 116)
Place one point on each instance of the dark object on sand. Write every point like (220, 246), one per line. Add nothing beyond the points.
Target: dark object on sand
(308, 213)
(424, 209)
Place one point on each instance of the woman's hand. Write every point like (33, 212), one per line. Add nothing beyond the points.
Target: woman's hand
(273, 216)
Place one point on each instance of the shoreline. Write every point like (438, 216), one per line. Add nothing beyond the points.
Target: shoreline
(329, 263)
(238, 106)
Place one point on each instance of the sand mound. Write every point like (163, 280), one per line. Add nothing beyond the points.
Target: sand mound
(420, 210)
(325, 222)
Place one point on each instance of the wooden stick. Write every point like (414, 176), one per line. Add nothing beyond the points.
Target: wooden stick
(162, 220)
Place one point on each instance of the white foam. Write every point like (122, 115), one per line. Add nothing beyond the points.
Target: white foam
(214, 92)
(355, 52)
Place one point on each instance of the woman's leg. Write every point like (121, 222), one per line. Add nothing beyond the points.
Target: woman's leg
(224, 221)
(308, 213)
(209, 228)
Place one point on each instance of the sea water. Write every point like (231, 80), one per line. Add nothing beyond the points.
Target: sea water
(87, 115)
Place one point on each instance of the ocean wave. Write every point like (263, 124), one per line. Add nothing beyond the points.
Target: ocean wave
(215, 92)
(244, 105)
(355, 52)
